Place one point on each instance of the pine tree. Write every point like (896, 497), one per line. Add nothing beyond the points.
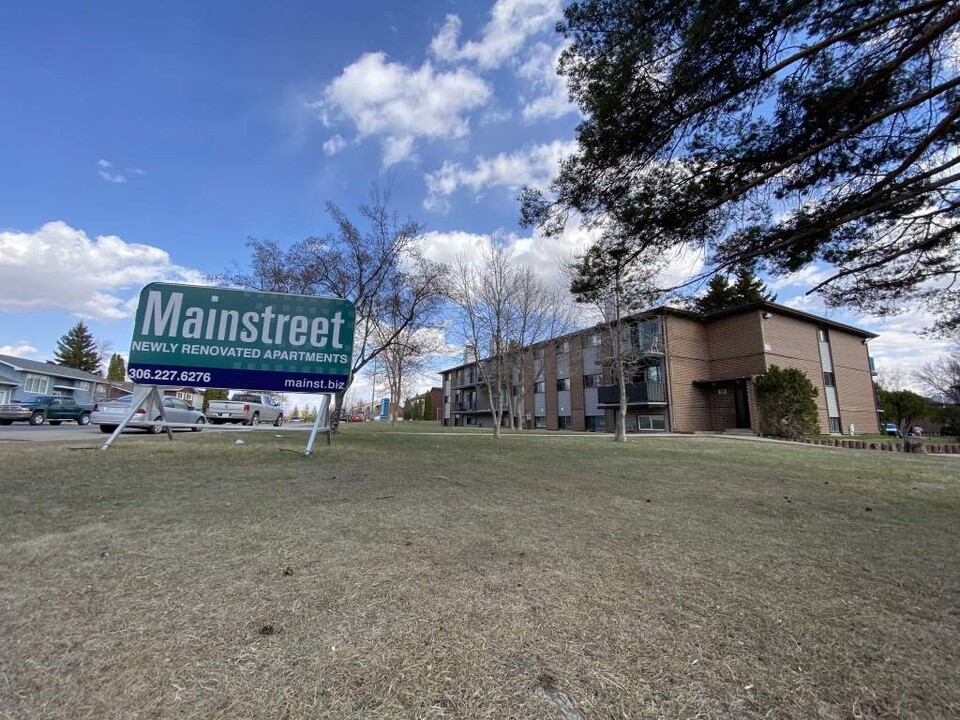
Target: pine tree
(428, 406)
(77, 349)
(296, 412)
(407, 410)
(117, 369)
(722, 294)
(748, 288)
(719, 295)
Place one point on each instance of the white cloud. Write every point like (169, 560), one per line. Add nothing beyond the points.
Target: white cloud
(61, 267)
(511, 23)
(400, 104)
(21, 348)
(112, 177)
(106, 171)
(550, 99)
(334, 145)
(536, 166)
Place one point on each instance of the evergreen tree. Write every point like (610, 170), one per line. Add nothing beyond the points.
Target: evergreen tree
(722, 294)
(296, 412)
(77, 349)
(719, 295)
(427, 412)
(213, 394)
(407, 410)
(703, 121)
(418, 410)
(117, 369)
(748, 288)
(787, 405)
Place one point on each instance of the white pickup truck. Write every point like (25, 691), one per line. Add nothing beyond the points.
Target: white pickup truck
(246, 408)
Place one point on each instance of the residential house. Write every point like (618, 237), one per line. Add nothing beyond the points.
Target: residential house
(21, 378)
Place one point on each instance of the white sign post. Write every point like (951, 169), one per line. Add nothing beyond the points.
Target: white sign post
(321, 424)
(149, 398)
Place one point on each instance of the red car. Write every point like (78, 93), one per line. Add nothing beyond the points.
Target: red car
(357, 417)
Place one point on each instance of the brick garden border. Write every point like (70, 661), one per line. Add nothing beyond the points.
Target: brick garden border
(914, 447)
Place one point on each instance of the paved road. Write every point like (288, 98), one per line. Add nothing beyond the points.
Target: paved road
(71, 432)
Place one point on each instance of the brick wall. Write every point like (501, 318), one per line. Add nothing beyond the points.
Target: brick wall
(735, 345)
(686, 360)
(851, 368)
(792, 343)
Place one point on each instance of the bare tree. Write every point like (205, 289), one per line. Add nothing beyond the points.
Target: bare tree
(618, 285)
(942, 376)
(380, 270)
(485, 295)
(542, 311)
(406, 357)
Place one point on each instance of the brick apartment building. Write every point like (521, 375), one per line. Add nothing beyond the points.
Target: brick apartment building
(697, 374)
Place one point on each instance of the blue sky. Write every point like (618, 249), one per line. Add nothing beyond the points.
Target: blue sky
(147, 141)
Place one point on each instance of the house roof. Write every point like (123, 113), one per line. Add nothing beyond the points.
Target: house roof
(7, 379)
(47, 368)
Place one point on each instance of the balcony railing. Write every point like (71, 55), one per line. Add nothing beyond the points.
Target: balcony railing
(470, 406)
(637, 394)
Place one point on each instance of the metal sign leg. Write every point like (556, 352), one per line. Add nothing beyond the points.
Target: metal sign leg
(322, 423)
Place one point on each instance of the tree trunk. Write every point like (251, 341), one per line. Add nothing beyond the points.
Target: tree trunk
(621, 433)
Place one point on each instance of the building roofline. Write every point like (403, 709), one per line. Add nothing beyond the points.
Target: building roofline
(662, 310)
(785, 310)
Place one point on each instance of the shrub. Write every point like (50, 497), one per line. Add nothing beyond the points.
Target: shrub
(786, 400)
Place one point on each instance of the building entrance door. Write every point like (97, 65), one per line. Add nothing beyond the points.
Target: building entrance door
(742, 404)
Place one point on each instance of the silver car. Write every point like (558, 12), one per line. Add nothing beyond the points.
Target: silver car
(109, 414)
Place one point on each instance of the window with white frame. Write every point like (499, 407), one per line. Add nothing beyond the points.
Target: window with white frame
(83, 385)
(37, 384)
(4, 396)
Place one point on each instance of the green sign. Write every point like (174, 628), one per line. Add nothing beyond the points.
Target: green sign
(216, 337)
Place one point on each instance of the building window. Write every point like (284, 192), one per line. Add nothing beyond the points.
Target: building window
(822, 335)
(592, 340)
(563, 422)
(835, 427)
(538, 388)
(37, 384)
(538, 353)
(651, 422)
(595, 422)
(540, 421)
(590, 381)
(83, 385)
(563, 384)
(563, 346)
(828, 379)
(4, 397)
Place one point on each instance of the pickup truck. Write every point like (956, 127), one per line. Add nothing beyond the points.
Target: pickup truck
(246, 408)
(45, 408)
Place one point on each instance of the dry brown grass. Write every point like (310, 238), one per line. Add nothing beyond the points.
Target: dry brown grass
(447, 577)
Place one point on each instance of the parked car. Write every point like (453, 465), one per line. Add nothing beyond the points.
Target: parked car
(45, 408)
(357, 417)
(108, 415)
(246, 408)
(891, 429)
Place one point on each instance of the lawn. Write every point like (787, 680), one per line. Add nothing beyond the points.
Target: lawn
(419, 575)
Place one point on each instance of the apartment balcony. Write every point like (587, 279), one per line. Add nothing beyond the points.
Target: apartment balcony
(465, 406)
(637, 394)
